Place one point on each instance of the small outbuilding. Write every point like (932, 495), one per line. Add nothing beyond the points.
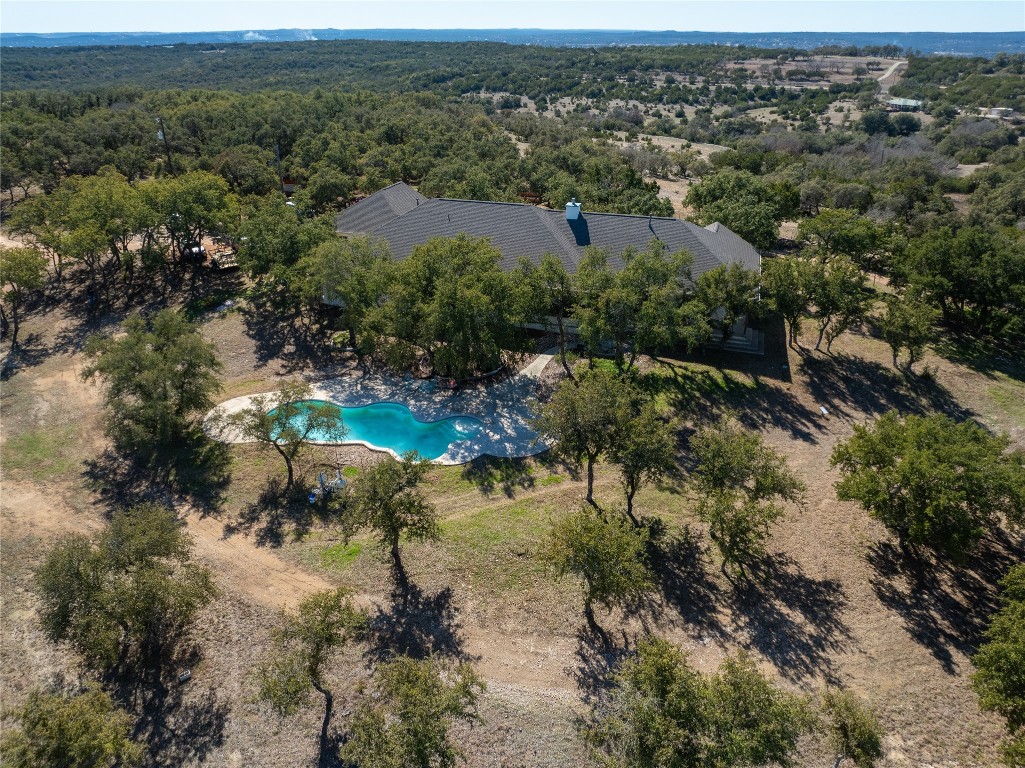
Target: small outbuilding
(904, 105)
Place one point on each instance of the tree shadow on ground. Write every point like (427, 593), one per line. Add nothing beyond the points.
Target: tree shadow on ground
(987, 356)
(179, 730)
(490, 474)
(508, 476)
(80, 306)
(417, 625)
(599, 652)
(27, 353)
(706, 395)
(72, 338)
(279, 513)
(681, 579)
(850, 387)
(284, 335)
(121, 483)
(179, 721)
(146, 294)
(793, 620)
(945, 606)
(196, 472)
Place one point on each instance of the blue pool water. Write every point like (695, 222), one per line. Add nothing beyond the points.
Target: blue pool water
(391, 425)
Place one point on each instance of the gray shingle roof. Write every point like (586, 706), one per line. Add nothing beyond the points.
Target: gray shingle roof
(518, 229)
(377, 210)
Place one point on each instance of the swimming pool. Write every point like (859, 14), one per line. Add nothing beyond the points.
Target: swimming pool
(393, 426)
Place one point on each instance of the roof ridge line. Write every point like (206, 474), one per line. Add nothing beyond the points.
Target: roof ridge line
(583, 211)
(488, 202)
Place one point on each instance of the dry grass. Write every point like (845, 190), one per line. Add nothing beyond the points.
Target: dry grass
(838, 603)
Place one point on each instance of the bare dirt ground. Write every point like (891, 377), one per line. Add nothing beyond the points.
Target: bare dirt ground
(837, 69)
(676, 190)
(671, 143)
(838, 605)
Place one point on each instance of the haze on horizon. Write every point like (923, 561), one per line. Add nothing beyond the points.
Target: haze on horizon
(765, 16)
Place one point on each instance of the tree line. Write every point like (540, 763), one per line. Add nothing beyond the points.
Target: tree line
(332, 144)
(450, 69)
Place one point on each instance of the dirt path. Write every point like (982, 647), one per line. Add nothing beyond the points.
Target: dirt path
(27, 510)
(242, 567)
(516, 661)
(891, 75)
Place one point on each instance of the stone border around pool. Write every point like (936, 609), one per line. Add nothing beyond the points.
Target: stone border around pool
(504, 409)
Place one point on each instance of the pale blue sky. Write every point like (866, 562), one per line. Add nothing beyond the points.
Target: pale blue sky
(681, 15)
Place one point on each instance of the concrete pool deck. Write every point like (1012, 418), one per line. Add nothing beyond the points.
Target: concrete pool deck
(504, 409)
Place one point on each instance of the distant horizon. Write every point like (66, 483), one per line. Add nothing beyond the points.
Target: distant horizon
(63, 17)
(530, 29)
(941, 43)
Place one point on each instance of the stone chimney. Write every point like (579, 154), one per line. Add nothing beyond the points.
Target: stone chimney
(572, 210)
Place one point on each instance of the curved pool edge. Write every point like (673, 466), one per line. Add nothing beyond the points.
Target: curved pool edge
(505, 431)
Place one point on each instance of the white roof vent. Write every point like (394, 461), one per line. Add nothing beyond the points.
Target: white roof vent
(572, 210)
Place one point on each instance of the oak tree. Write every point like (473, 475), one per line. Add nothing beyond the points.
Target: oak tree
(83, 730)
(301, 647)
(743, 485)
(932, 481)
(22, 270)
(157, 377)
(607, 553)
(645, 451)
(289, 421)
(388, 500)
(585, 419)
(786, 282)
(661, 711)
(907, 324)
(406, 720)
(1000, 661)
(126, 594)
(852, 728)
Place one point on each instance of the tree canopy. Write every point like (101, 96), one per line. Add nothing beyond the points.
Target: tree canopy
(23, 270)
(907, 324)
(301, 646)
(742, 485)
(387, 500)
(606, 553)
(645, 451)
(83, 730)
(158, 376)
(449, 303)
(127, 594)
(406, 720)
(853, 729)
(787, 282)
(932, 481)
(288, 421)
(586, 419)
(353, 274)
(663, 712)
(745, 203)
(999, 662)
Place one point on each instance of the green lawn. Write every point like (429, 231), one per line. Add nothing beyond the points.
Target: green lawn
(41, 453)
(1009, 396)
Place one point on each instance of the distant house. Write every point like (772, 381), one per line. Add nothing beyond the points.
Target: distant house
(904, 105)
(404, 218)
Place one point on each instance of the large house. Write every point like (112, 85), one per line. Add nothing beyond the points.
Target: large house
(404, 218)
